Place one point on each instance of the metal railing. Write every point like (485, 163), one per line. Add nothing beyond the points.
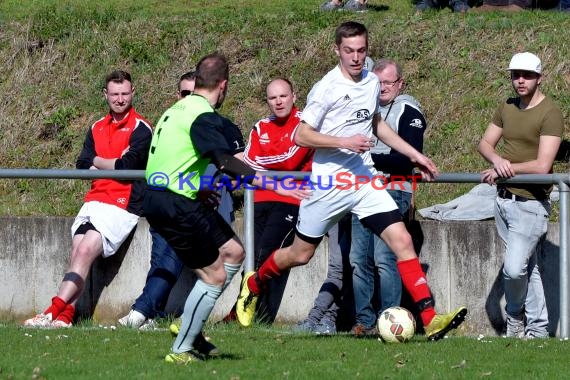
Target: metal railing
(562, 180)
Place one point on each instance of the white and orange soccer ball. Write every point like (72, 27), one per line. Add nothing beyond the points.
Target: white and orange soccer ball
(396, 325)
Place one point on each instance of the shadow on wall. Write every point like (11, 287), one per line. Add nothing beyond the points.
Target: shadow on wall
(102, 273)
(548, 259)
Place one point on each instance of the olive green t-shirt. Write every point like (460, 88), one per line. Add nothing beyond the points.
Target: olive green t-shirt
(522, 129)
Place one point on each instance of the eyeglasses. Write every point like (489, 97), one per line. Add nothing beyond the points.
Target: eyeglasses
(185, 93)
(528, 75)
(389, 83)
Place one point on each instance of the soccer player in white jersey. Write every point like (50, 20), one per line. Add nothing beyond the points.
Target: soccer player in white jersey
(338, 121)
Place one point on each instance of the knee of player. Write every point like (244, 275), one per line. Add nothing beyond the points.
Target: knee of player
(232, 252)
(82, 252)
(403, 246)
(239, 255)
(513, 271)
(305, 256)
(218, 277)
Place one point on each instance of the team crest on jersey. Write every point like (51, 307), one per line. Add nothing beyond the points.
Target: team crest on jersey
(264, 138)
(361, 114)
(416, 123)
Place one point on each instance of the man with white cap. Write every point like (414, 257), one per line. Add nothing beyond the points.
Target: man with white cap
(531, 127)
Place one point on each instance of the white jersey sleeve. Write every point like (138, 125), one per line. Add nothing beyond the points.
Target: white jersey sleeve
(340, 107)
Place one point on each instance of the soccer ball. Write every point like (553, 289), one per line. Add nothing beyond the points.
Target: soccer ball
(396, 325)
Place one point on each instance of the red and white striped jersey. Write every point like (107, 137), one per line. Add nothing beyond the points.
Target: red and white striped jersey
(271, 146)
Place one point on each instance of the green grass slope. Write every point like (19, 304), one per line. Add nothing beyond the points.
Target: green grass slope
(55, 54)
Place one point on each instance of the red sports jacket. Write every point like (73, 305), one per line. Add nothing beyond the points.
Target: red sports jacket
(271, 146)
(109, 139)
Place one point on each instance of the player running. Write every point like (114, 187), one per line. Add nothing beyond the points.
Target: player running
(339, 120)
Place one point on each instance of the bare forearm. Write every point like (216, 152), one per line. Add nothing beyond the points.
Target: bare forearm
(488, 152)
(531, 167)
(393, 140)
(308, 137)
(104, 163)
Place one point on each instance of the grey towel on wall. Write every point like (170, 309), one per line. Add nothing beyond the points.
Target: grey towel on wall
(477, 204)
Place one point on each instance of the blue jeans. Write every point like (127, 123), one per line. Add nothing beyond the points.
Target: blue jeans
(165, 268)
(369, 253)
(521, 226)
(328, 300)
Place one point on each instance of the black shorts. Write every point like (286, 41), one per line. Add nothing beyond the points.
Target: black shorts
(274, 228)
(193, 230)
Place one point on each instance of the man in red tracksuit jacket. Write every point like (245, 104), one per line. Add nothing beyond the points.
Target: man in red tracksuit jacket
(272, 146)
(119, 141)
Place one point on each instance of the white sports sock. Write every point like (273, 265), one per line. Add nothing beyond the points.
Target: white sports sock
(231, 270)
(197, 309)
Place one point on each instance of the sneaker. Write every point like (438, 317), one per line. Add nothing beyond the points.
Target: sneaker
(361, 331)
(204, 347)
(40, 321)
(442, 323)
(533, 335)
(135, 319)
(246, 302)
(174, 327)
(59, 324)
(330, 6)
(306, 326)
(149, 325)
(515, 328)
(183, 358)
(459, 6)
(355, 6)
(326, 327)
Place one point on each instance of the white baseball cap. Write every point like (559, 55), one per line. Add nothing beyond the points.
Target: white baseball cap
(526, 62)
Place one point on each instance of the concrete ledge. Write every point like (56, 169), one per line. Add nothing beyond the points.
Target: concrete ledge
(462, 261)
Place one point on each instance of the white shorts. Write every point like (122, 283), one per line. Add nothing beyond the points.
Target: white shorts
(113, 223)
(324, 208)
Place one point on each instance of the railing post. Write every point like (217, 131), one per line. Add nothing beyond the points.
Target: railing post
(564, 262)
(248, 231)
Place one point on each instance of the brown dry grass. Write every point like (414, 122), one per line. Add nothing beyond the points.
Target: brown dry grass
(54, 58)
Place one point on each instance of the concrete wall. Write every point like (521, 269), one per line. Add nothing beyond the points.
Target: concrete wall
(462, 262)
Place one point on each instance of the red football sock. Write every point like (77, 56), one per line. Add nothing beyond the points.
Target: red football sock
(414, 280)
(266, 272)
(57, 306)
(67, 314)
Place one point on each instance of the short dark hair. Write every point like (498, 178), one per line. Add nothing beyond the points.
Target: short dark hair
(118, 76)
(350, 29)
(190, 75)
(382, 63)
(211, 70)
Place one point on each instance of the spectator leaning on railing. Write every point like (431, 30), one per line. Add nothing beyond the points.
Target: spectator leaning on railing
(531, 126)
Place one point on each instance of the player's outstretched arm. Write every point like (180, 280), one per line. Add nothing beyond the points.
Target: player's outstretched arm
(392, 139)
(238, 169)
(306, 136)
